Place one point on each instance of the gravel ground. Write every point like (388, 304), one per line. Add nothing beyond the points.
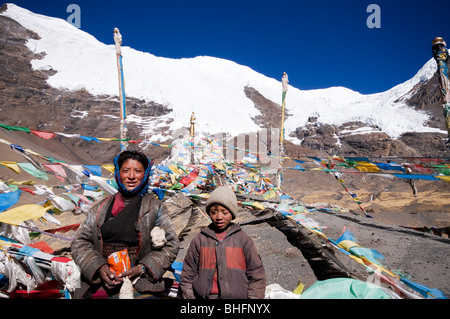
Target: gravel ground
(293, 255)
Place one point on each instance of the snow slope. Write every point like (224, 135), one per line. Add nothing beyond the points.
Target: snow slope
(213, 88)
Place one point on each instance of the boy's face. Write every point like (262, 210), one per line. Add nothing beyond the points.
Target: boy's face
(220, 217)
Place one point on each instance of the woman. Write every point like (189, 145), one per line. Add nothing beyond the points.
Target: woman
(125, 220)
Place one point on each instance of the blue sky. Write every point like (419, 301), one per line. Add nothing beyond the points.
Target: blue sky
(318, 43)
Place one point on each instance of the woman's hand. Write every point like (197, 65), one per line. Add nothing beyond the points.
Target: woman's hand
(133, 272)
(109, 277)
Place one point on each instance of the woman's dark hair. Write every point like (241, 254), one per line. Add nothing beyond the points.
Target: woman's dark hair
(135, 155)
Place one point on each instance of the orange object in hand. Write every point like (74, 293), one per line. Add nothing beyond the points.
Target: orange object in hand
(119, 262)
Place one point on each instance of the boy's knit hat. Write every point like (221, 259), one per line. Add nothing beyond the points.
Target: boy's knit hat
(224, 196)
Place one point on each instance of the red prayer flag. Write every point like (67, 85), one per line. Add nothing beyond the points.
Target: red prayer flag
(43, 134)
(42, 246)
(63, 229)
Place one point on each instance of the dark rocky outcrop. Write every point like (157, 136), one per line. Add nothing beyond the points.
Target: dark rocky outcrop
(27, 100)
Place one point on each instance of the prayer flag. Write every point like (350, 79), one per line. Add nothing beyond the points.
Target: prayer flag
(15, 128)
(9, 199)
(11, 165)
(58, 169)
(31, 169)
(43, 134)
(18, 215)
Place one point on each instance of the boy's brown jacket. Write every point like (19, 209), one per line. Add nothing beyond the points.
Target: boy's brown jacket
(240, 272)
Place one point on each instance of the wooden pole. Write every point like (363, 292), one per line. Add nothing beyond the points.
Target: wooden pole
(122, 99)
(284, 82)
(192, 135)
(192, 127)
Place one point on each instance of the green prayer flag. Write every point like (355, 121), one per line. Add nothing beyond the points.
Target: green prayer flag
(15, 128)
(30, 169)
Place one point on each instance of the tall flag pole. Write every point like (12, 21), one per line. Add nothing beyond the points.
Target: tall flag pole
(284, 83)
(441, 55)
(123, 110)
(192, 126)
(192, 135)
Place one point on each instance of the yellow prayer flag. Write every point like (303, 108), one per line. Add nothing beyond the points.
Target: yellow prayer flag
(219, 166)
(173, 179)
(18, 215)
(11, 165)
(175, 170)
(299, 288)
(258, 205)
(33, 153)
(27, 182)
(348, 244)
(367, 167)
(357, 259)
(109, 167)
(444, 178)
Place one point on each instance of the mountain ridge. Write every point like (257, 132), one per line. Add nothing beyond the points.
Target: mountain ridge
(170, 84)
(356, 125)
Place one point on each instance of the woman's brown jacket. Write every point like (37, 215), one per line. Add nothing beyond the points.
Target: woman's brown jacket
(87, 245)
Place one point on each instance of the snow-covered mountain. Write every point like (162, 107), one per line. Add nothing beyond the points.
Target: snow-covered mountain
(213, 88)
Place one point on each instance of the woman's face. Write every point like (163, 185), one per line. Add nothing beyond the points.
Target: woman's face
(131, 173)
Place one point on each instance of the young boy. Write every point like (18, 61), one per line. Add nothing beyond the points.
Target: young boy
(222, 261)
